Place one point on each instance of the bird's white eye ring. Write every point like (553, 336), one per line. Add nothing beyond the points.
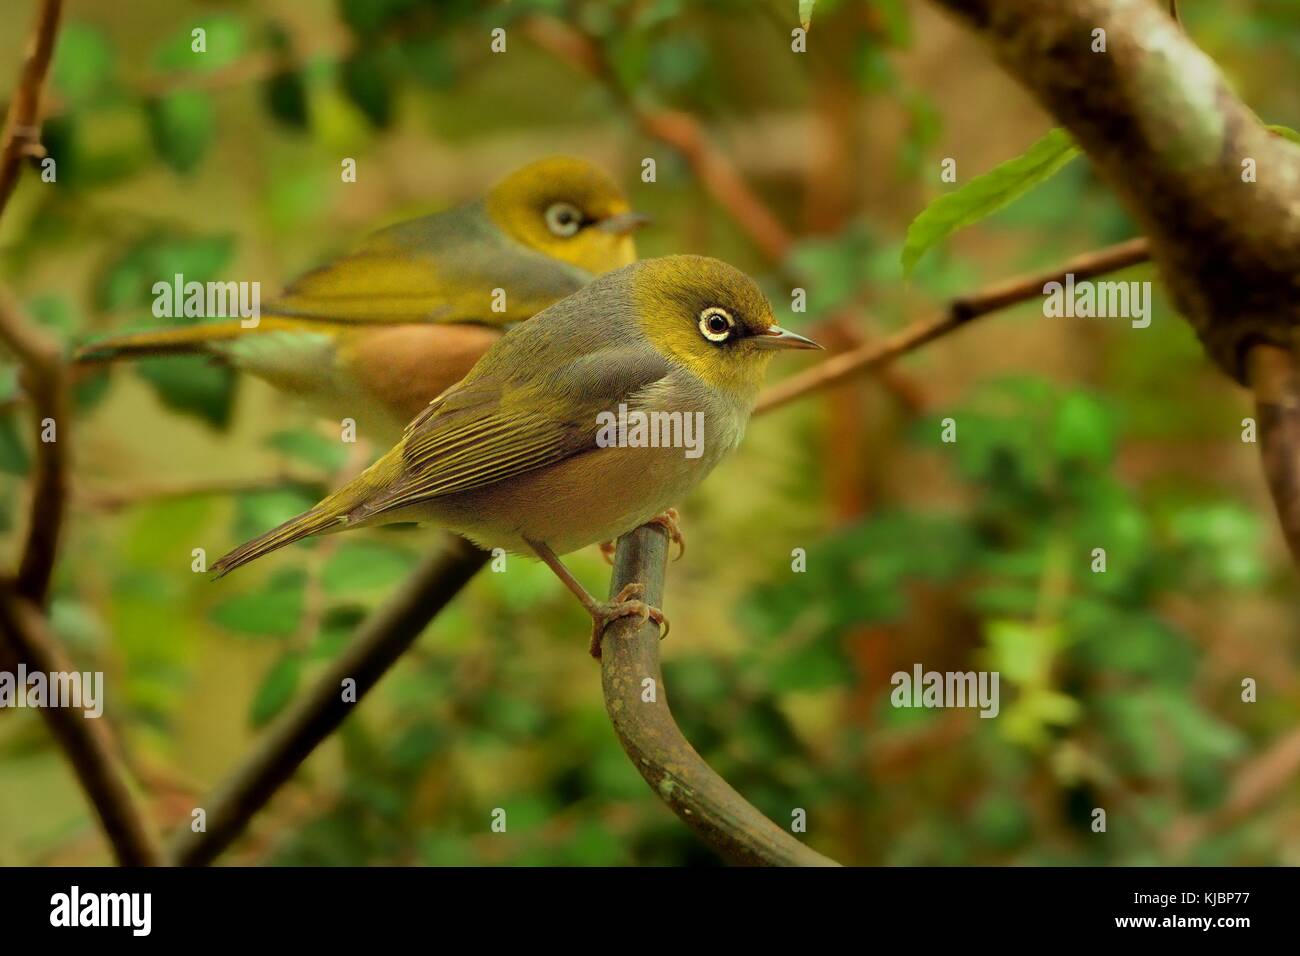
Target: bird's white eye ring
(563, 219)
(716, 324)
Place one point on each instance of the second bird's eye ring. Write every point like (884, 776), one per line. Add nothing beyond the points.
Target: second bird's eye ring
(563, 219)
(716, 324)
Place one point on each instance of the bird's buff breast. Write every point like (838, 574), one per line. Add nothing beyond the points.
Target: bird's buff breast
(592, 497)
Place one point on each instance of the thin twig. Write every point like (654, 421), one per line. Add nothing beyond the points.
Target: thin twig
(22, 131)
(84, 741)
(637, 704)
(28, 640)
(378, 644)
(958, 312)
(45, 381)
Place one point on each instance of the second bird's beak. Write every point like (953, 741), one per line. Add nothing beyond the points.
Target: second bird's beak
(624, 223)
(778, 338)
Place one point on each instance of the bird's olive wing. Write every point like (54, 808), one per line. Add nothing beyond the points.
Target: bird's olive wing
(452, 267)
(484, 431)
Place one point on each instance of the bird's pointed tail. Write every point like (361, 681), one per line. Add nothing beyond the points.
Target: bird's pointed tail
(320, 519)
(343, 509)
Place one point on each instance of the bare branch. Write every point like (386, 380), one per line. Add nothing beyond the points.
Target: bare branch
(44, 378)
(873, 355)
(676, 773)
(379, 642)
(22, 132)
(85, 742)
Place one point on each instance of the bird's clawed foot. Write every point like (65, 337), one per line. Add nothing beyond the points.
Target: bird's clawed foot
(627, 603)
(668, 521)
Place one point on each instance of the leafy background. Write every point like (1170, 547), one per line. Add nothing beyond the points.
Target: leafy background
(1120, 690)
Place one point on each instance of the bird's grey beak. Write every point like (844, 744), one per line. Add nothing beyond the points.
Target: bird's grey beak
(778, 338)
(624, 223)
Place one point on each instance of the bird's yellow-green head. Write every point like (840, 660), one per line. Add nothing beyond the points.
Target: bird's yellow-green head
(569, 210)
(711, 318)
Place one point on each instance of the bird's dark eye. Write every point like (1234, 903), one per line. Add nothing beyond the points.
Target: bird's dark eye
(716, 324)
(563, 219)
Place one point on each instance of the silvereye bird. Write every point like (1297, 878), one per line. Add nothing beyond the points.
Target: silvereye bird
(377, 334)
(521, 455)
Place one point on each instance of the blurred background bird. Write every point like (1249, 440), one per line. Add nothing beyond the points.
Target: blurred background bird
(377, 334)
(512, 457)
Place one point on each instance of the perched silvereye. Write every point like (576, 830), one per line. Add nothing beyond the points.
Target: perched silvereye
(521, 454)
(377, 334)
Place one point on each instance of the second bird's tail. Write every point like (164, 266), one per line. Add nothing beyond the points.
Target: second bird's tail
(180, 341)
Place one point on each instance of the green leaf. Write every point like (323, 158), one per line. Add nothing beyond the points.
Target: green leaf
(273, 611)
(256, 512)
(276, 690)
(985, 195)
(361, 566)
(806, 12)
(192, 385)
(182, 125)
(224, 42)
(366, 81)
(816, 665)
(127, 281)
(310, 447)
(368, 17)
(427, 61)
(1285, 132)
(83, 63)
(1082, 430)
(55, 313)
(285, 95)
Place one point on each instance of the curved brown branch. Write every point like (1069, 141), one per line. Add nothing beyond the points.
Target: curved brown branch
(959, 311)
(379, 642)
(85, 742)
(22, 133)
(646, 729)
(44, 377)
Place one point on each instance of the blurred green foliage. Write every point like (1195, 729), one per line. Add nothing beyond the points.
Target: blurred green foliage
(1121, 689)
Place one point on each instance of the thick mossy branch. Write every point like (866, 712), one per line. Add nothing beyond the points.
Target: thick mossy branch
(1159, 122)
(637, 704)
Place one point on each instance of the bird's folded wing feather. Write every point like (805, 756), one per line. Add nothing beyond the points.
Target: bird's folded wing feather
(442, 268)
(486, 430)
